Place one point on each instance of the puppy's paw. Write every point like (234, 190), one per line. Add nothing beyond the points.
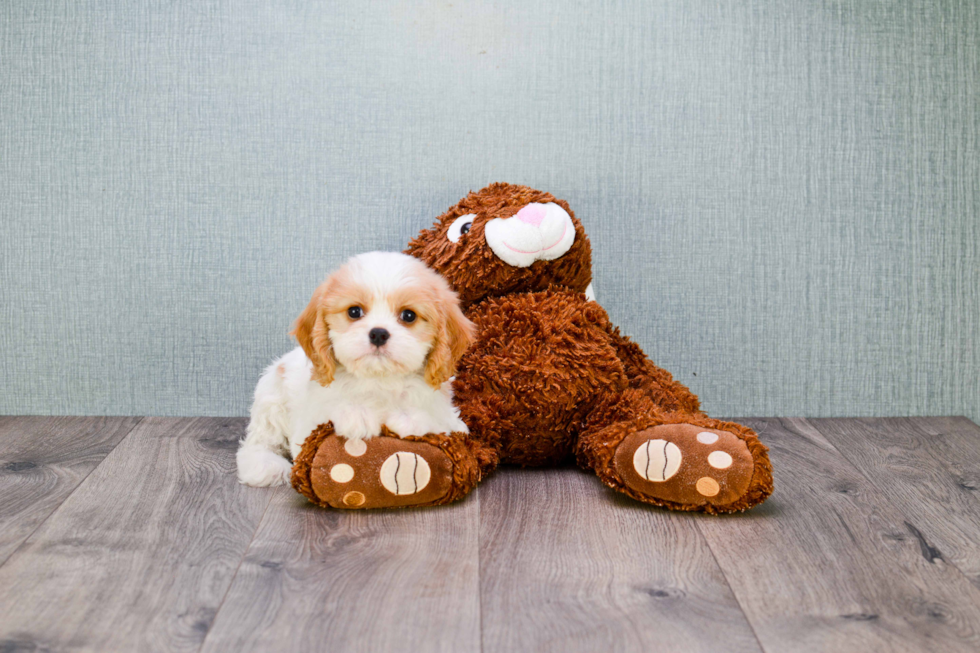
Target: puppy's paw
(260, 467)
(356, 422)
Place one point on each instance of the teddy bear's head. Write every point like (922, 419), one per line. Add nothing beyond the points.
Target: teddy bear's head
(506, 239)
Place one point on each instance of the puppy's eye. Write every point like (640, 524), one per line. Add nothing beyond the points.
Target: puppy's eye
(408, 316)
(355, 312)
(460, 227)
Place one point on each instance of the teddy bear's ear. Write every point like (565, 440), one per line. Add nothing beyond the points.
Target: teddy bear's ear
(311, 331)
(454, 336)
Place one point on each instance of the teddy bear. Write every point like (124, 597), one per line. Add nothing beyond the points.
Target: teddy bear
(548, 380)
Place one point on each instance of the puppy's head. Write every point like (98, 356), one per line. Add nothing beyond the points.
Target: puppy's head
(384, 314)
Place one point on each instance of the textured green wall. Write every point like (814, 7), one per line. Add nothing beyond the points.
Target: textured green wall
(783, 197)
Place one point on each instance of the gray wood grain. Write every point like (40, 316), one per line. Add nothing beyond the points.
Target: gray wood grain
(929, 468)
(325, 580)
(42, 460)
(829, 563)
(140, 556)
(868, 544)
(568, 565)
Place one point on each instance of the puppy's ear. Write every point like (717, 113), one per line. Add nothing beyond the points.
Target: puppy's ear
(313, 335)
(453, 338)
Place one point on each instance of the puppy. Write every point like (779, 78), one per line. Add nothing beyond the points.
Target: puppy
(379, 343)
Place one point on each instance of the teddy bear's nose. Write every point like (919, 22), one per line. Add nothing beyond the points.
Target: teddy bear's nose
(532, 214)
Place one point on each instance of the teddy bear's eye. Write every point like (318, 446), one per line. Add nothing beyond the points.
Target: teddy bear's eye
(460, 227)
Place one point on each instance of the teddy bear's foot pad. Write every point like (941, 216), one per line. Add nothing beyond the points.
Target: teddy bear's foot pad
(379, 472)
(685, 464)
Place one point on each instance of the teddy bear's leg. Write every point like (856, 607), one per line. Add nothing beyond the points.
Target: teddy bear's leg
(677, 460)
(656, 383)
(387, 471)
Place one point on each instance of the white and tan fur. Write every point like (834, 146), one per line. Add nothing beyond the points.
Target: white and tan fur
(337, 375)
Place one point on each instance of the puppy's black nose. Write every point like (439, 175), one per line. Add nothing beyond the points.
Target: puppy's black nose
(378, 336)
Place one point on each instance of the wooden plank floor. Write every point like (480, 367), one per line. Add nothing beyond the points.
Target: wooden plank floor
(129, 534)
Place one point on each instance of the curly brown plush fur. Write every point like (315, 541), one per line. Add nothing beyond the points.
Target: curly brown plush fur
(550, 377)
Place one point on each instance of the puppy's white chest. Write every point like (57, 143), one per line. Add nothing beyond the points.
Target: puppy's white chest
(364, 418)
(358, 408)
(357, 421)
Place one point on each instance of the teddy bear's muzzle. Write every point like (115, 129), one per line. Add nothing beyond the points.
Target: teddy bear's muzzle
(538, 232)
